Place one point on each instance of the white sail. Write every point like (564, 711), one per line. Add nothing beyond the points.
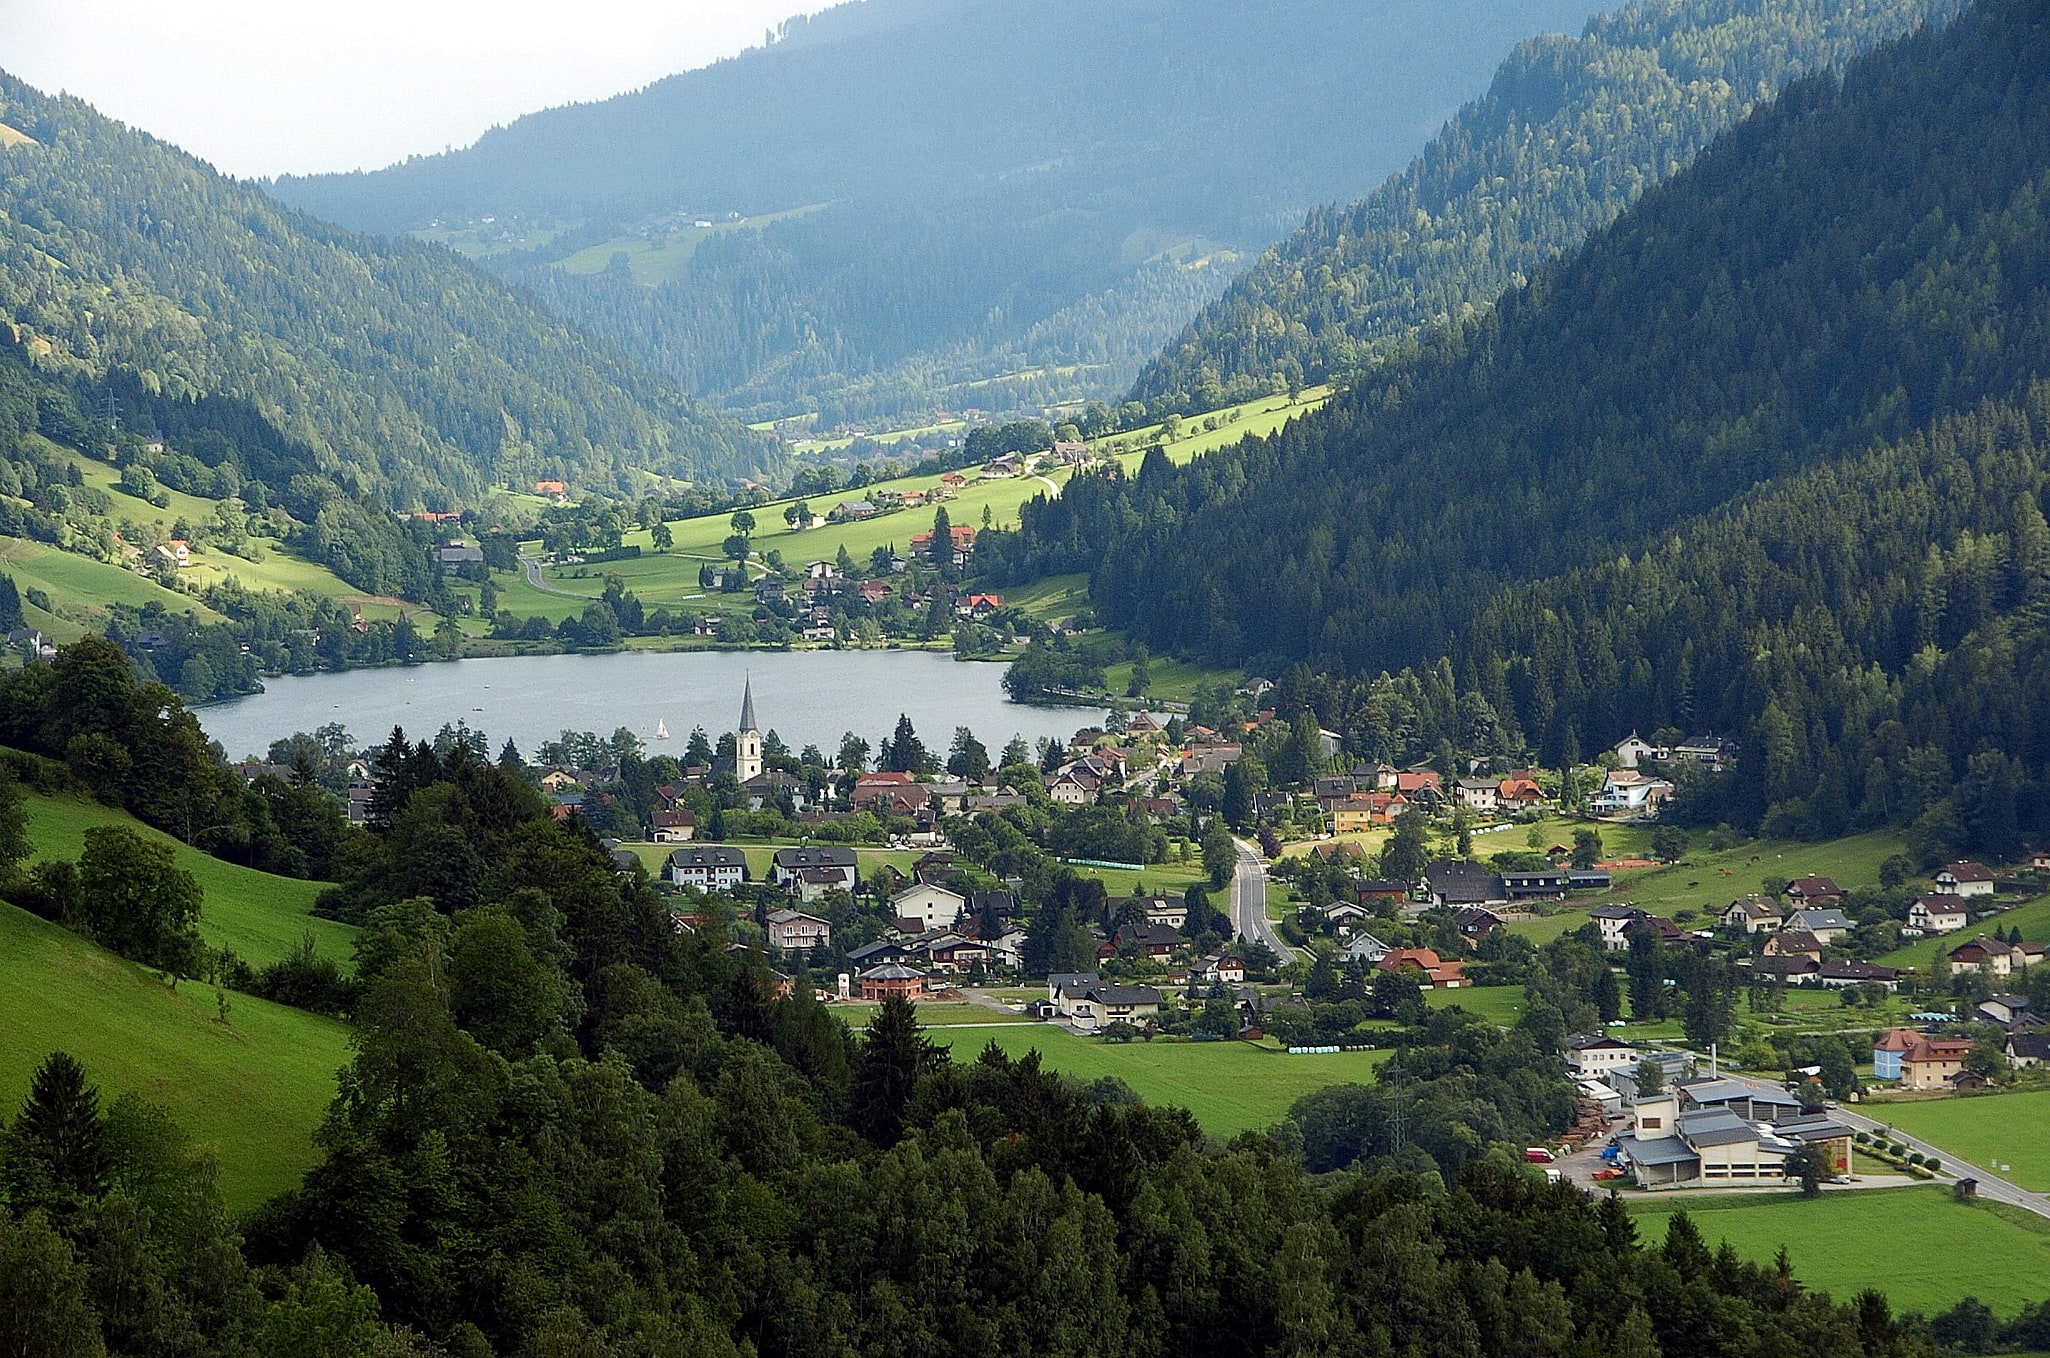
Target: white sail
(661, 729)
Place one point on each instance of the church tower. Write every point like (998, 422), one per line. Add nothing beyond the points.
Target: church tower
(747, 741)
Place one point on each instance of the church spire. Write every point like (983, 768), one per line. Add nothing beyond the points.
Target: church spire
(747, 706)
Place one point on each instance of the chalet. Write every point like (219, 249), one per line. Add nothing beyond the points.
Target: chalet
(873, 592)
(1627, 792)
(1331, 792)
(553, 490)
(1157, 941)
(1966, 879)
(675, 827)
(923, 906)
(769, 590)
(881, 952)
(787, 867)
(1804, 891)
(1595, 1055)
(815, 883)
(978, 606)
(1991, 958)
(1938, 914)
(1424, 784)
(1753, 915)
(1346, 915)
(892, 980)
(953, 953)
(1065, 989)
(853, 511)
(1519, 794)
(1225, 969)
(1475, 922)
(1380, 889)
(1613, 923)
(960, 535)
(1827, 925)
(1170, 911)
(1424, 964)
(1070, 453)
(1209, 758)
(711, 868)
(794, 931)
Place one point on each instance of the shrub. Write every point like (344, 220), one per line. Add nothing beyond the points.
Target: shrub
(1932, 1164)
(1914, 1157)
(1863, 1138)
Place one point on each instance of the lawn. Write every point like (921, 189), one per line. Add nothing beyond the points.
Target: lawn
(1921, 1247)
(1708, 881)
(2032, 919)
(260, 916)
(1501, 1004)
(73, 581)
(935, 1015)
(761, 858)
(253, 1089)
(2011, 1129)
(1231, 1087)
(1170, 878)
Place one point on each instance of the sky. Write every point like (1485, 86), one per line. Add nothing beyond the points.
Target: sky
(266, 87)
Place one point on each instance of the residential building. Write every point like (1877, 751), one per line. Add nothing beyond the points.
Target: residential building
(1475, 922)
(1479, 794)
(1814, 891)
(794, 931)
(885, 792)
(1157, 941)
(675, 827)
(710, 868)
(1794, 943)
(1613, 923)
(1101, 1005)
(789, 866)
(892, 980)
(1065, 989)
(1714, 751)
(1918, 1060)
(1967, 879)
(1366, 948)
(2007, 1011)
(1938, 914)
(1455, 882)
(1827, 925)
(2028, 1049)
(1633, 748)
(1550, 884)
(1753, 915)
(923, 906)
(1994, 959)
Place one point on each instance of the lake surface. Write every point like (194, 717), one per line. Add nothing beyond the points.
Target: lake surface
(806, 697)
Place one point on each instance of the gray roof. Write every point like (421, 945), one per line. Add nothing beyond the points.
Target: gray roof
(747, 706)
(1077, 981)
(1818, 919)
(815, 858)
(1123, 994)
(712, 857)
(1664, 1150)
(883, 948)
(1818, 1128)
(892, 971)
(1719, 1091)
(1715, 1127)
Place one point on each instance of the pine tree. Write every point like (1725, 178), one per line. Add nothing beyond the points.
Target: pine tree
(895, 1055)
(55, 1154)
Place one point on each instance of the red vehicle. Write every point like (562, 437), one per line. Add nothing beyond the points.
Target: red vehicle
(1538, 1155)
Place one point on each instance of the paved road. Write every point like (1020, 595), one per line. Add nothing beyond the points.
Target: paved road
(1991, 1186)
(532, 566)
(1249, 901)
(1053, 492)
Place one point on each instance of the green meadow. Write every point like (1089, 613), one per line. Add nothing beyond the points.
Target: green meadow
(260, 916)
(253, 1088)
(1231, 1087)
(1922, 1248)
(1986, 1129)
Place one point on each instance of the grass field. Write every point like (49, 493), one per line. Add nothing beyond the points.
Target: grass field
(663, 256)
(1922, 1248)
(253, 1089)
(937, 1015)
(1501, 1004)
(1231, 1087)
(2008, 1129)
(260, 916)
(76, 582)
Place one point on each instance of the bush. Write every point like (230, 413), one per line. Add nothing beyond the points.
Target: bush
(1932, 1164)
(1914, 1157)
(1863, 1138)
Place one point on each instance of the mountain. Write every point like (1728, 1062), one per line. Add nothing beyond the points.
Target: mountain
(1768, 457)
(946, 202)
(1572, 131)
(409, 376)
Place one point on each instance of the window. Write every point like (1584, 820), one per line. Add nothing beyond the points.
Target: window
(1648, 1124)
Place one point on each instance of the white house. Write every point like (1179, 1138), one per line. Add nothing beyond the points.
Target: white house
(1967, 880)
(1754, 915)
(712, 868)
(788, 866)
(1938, 914)
(1827, 925)
(1595, 1055)
(929, 907)
(1632, 748)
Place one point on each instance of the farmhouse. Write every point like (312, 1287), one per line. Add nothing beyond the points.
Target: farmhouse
(1811, 891)
(1991, 958)
(1429, 970)
(1454, 882)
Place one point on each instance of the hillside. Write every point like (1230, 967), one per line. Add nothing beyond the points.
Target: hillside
(390, 370)
(981, 203)
(253, 1088)
(1763, 458)
(1572, 131)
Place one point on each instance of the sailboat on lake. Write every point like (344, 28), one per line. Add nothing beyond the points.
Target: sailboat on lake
(661, 729)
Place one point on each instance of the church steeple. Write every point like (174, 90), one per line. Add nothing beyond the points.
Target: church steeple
(747, 741)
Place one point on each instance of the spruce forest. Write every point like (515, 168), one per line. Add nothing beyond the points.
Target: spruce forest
(1766, 456)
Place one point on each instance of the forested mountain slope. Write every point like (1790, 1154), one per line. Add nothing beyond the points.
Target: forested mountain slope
(409, 375)
(1572, 131)
(1644, 490)
(978, 175)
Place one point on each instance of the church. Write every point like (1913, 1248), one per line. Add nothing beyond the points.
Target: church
(764, 786)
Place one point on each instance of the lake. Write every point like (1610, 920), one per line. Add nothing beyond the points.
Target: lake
(806, 697)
